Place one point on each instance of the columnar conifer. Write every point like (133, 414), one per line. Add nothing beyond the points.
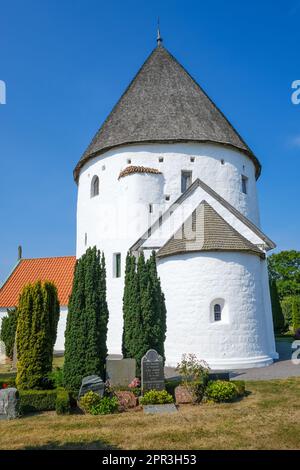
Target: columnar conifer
(38, 314)
(86, 331)
(144, 309)
(278, 318)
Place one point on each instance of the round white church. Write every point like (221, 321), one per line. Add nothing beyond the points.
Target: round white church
(168, 172)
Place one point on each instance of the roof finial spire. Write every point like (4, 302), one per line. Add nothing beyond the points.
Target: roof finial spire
(159, 38)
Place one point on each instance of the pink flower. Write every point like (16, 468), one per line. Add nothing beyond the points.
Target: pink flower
(135, 383)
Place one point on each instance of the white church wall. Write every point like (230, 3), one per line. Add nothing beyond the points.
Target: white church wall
(3, 313)
(61, 327)
(109, 219)
(192, 283)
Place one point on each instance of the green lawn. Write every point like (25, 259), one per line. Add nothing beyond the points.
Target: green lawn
(5, 369)
(267, 418)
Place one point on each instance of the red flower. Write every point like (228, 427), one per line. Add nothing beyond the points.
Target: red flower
(4, 385)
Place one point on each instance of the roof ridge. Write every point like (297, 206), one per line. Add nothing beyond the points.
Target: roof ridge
(215, 195)
(231, 233)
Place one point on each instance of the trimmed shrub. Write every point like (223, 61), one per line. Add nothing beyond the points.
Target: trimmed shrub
(156, 397)
(278, 318)
(8, 331)
(38, 313)
(221, 391)
(62, 404)
(89, 400)
(37, 400)
(106, 406)
(240, 387)
(144, 310)
(86, 330)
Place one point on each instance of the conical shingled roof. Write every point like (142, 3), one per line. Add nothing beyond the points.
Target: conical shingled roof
(206, 230)
(164, 104)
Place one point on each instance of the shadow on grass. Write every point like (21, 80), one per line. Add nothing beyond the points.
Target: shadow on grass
(55, 445)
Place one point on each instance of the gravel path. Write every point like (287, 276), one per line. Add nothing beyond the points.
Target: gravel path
(280, 369)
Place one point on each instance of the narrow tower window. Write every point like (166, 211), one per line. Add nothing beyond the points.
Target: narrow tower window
(244, 184)
(117, 265)
(186, 180)
(95, 186)
(217, 312)
(150, 208)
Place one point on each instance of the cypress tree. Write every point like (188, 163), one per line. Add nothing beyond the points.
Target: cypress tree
(131, 309)
(296, 313)
(38, 313)
(160, 317)
(143, 308)
(8, 331)
(86, 331)
(278, 318)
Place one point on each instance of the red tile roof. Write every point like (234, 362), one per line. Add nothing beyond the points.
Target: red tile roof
(58, 270)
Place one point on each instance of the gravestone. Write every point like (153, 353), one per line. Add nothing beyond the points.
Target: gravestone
(160, 409)
(91, 383)
(120, 372)
(9, 403)
(152, 371)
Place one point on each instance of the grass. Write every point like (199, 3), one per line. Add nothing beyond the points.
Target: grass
(265, 419)
(5, 369)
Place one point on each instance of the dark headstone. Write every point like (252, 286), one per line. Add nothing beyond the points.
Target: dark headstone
(218, 376)
(9, 403)
(91, 383)
(152, 371)
(160, 409)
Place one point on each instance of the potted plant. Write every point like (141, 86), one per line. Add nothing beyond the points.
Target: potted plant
(194, 375)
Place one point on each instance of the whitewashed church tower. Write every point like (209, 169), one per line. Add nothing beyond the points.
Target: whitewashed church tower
(168, 172)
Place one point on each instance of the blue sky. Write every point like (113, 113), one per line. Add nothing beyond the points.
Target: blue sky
(65, 64)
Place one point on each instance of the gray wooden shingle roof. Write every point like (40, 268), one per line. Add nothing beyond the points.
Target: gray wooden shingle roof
(206, 230)
(164, 104)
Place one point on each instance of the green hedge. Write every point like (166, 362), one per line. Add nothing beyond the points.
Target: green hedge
(37, 400)
(63, 404)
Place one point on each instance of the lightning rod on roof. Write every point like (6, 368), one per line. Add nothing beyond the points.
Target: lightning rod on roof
(159, 38)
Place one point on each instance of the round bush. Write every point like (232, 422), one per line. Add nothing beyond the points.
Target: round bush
(221, 391)
(156, 397)
(106, 406)
(89, 400)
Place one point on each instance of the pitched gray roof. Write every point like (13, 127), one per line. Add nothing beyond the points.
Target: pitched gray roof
(164, 104)
(206, 230)
(269, 244)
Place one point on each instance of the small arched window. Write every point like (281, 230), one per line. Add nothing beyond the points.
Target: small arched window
(217, 312)
(95, 186)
